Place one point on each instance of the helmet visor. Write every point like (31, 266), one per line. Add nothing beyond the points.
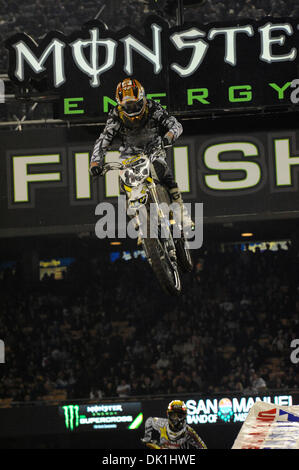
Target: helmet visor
(177, 420)
(133, 108)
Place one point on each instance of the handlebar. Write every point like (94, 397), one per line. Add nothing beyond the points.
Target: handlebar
(111, 166)
(119, 166)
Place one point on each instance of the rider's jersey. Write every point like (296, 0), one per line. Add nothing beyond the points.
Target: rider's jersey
(157, 429)
(134, 140)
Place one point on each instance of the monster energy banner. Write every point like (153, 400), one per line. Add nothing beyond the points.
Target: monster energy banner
(46, 187)
(194, 68)
(102, 416)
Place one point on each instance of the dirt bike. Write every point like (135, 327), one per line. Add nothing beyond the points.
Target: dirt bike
(152, 445)
(160, 234)
(156, 445)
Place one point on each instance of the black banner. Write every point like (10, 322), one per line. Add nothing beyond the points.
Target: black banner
(190, 69)
(46, 187)
(216, 418)
(102, 416)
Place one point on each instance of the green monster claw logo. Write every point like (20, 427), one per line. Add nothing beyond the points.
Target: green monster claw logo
(137, 422)
(71, 416)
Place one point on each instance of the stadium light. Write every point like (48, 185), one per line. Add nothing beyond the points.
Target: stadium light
(174, 7)
(246, 234)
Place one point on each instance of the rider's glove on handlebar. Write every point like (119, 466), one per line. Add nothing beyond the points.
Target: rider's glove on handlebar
(168, 139)
(95, 169)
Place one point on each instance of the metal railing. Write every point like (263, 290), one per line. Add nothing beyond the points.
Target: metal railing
(128, 398)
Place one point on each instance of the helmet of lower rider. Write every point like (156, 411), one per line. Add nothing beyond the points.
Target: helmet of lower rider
(131, 101)
(177, 415)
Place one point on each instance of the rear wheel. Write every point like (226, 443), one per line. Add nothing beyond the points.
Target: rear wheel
(183, 255)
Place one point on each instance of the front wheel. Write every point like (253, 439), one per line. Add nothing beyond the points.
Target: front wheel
(165, 268)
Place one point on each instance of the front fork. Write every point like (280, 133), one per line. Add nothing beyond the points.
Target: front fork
(165, 224)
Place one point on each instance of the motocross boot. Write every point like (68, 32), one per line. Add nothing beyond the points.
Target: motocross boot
(183, 216)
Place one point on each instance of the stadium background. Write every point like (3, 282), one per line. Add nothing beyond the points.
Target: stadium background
(72, 306)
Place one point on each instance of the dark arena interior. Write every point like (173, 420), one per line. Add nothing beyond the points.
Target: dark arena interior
(91, 346)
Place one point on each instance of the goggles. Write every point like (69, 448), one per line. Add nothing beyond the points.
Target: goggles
(133, 107)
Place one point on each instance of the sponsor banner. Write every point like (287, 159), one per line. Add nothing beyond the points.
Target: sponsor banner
(214, 412)
(105, 416)
(194, 68)
(227, 409)
(268, 426)
(46, 187)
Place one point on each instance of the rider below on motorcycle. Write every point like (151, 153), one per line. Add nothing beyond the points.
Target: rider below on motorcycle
(143, 125)
(172, 432)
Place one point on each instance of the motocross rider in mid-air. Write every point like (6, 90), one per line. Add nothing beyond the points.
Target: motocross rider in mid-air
(143, 125)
